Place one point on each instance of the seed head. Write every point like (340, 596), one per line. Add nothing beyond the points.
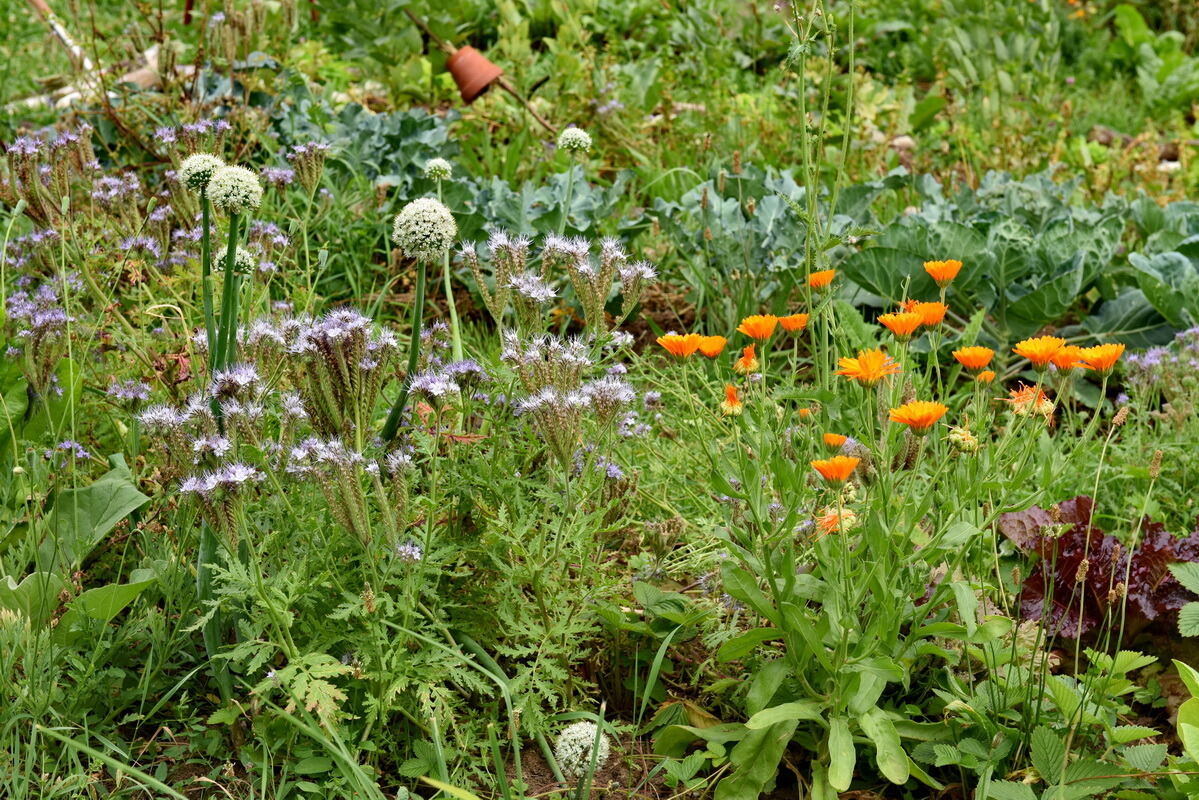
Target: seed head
(575, 140)
(424, 229)
(438, 169)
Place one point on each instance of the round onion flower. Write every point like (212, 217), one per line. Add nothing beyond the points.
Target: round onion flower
(424, 229)
(438, 169)
(575, 745)
(235, 189)
(197, 170)
(574, 140)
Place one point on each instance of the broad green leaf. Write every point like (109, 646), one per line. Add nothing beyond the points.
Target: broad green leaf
(1048, 753)
(967, 602)
(313, 765)
(674, 740)
(35, 597)
(102, 603)
(745, 643)
(1188, 620)
(764, 685)
(1187, 574)
(743, 586)
(1010, 790)
(82, 517)
(1123, 734)
(841, 753)
(755, 760)
(888, 753)
(1145, 757)
(800, 709)
(1189, 676)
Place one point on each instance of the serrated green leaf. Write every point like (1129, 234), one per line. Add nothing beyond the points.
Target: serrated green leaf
(1048, 753)
(1123, 734)
(1145, 757)
(1188, 620)
(1010, 790)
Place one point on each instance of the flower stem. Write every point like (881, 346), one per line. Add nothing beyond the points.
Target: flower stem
(418, 314)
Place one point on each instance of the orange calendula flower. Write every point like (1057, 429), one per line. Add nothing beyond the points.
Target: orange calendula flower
(974, 358)
(1102, 358)
(870, 367)
(930, 313)
(832, 520)
(759, 326)
(986, 376)
(919, 415)
(712, 346)
(1067, 358)
(822, 278)
(748, 361)
(1039, 350)
(731, 406)
(793, 323)
(680, 345)
(1027, 400)
(805, 414)
(902, 324)
(836, 469)
(834, 441)
(943, 272)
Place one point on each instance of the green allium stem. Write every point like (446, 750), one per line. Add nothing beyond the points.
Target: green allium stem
(227, 336)
(418, 313)
(206, 277)
(455, 330)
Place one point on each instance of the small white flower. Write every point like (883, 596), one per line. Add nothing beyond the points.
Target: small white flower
(574, 747)
(438, 169)
(575, 140)
(235, 189)
(197, 170)
(424, 229)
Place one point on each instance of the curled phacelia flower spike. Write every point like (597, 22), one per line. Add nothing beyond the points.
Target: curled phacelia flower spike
(574, 140)
(424, 229)
(438, 169)
(235, 190)
(197, 171)
(575, 745)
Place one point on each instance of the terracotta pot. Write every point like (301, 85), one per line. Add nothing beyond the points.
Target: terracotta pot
(473, 73)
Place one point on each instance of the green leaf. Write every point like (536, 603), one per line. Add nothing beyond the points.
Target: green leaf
(1187, 574)
(227, 715)
(1010, 790)
(1123, 734)
(35, 597)
(745, 643)
(1189, 676)
(889, 755)
(1188, 620)
(925, 112)
(453, 791)
(1048, 752)
(82, 517)
(102, 603)
(674, 740)
(841, 753)
(743, 586)
(755, 760)
(313, 765)
(764, 685)
(1145, 757)
(967, 605)
(800, 709)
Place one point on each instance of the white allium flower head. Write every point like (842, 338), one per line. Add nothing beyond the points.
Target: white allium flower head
(197, 170)
(244, 260)
(573, 749)
(574, 140)
(438, 169)
(424, 229)
(235, 189)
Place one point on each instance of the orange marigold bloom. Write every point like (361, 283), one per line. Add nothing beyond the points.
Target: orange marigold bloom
(836, 469)
(759, 326)
(1067, 358)
(930, 313)
(1102, 358)
(943, 272)
(805, 413)
(832, 520)
(834, 440)
(870, 367)
(986, 376)
(1027, 400)
(919, 415)
(902, 324)
(793, 323)
(680, 345)
(1039, 350)
(974, 358)
(731, 406)
(748, 361)
(822, 278)
(712, 346)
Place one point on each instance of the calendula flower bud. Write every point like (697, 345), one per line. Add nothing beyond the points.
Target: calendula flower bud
(574, 140)
(197, 171)
(424, 229)
(963, 440)
(235, 190)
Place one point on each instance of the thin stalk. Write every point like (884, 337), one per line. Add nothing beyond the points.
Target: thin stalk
(418, 313)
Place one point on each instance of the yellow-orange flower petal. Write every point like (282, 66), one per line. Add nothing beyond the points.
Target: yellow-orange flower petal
(822, 278)
(1026, 400)
(759, 326)
(680, 345)
(1103, 357)
(748, 362)
(1067, 357)
(930, 313)
(974, 358)
(731, 406)
(943, 272)
(870, 367)
(832, 520)
(986, 376)
(834, 441)
(919, 415)
(1039, 350)
(902, 324)
(712, 346)
(836, 469)
(793, 323)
